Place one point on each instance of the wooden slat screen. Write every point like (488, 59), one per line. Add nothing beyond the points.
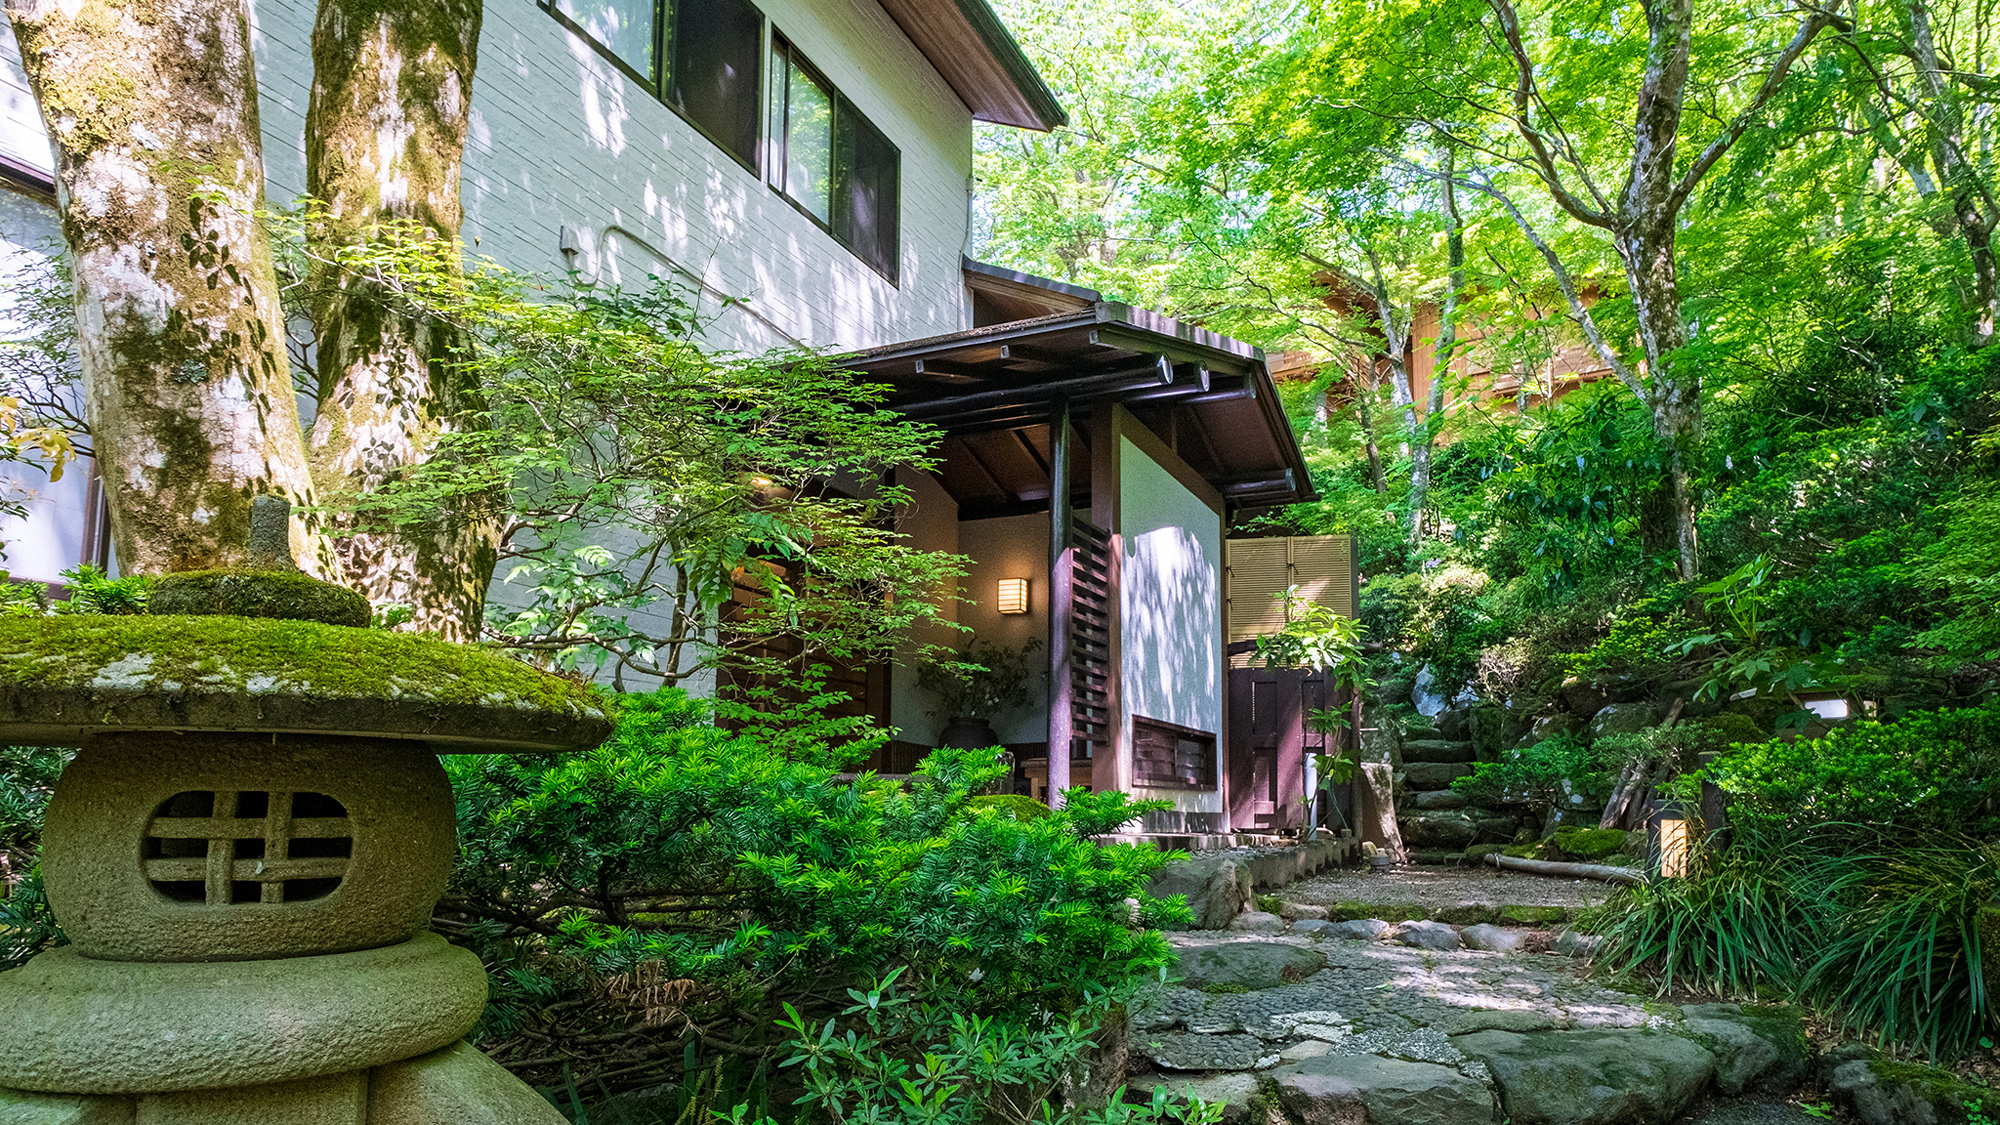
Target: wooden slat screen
(1090, 639)
(1171, 757)
(1321, 566)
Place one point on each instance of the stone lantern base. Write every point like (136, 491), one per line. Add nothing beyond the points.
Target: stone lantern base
(453, 1086)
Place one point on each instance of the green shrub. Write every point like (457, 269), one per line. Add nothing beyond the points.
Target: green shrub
(681, 872)
(1930, 773)
(1536, 775)
(1017, 805)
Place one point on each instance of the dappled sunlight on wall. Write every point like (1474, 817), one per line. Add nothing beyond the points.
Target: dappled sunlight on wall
(1170, 600)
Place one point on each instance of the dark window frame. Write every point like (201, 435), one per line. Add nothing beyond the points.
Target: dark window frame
(843, 106)
(660, 87)
(1206, 778)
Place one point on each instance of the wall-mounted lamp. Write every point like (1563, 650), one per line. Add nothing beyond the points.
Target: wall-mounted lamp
(1012, 596)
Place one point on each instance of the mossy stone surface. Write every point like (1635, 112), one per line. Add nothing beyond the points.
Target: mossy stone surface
(258, 593)
(1533, 915)
(1590, 843)
(66, 679)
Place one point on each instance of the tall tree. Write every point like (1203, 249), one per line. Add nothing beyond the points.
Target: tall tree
(385, 138)
(180, 337)
(1643, 216)
(1933, 91)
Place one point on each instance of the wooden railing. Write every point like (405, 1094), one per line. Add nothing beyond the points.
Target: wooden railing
(1090, 640)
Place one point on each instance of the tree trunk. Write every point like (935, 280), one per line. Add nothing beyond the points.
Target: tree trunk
(1447, 339)
(180, 338)
(1380, 484)
(385, 135)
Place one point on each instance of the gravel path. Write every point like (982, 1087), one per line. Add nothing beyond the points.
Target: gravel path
(1445, 886)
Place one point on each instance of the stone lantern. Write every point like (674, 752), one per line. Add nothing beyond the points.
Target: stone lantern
(244, 854)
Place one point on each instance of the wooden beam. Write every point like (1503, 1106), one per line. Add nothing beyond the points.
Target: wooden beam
(1061, 605)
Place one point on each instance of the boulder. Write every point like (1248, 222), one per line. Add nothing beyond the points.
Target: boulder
(1448, 831)
(1758, 1050)
(1551, 725)
(1241, 965)
(1297, 911)
(1881, 1092)
(1173, 1050)
(1570, 943)
(1583, 697)
(1602, 1077)
(1258, 922)
(1493, 728)
(1623, 718)
(1235, 1093)
(1216, 888)
(1436, 750)
(1424, 776)
(1311, 927)
(1360, 929)
(1437, 800)
(1370, 1090)
(1495, 829)
(1493, 939)
(1455, 723)
(1381, 738)
(1438, 936)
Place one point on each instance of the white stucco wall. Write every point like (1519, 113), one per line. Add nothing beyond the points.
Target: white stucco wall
(560, 137)
(1170, 601)
(1012, 547)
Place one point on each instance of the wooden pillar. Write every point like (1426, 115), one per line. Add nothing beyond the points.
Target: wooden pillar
(1113, 768)
(1061, 603)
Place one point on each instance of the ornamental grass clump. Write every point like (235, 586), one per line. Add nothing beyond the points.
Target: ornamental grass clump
(1855, 875)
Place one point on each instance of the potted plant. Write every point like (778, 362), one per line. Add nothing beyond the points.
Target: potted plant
(978, 685)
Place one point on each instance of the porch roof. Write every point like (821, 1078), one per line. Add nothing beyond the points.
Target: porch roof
(1206, 396)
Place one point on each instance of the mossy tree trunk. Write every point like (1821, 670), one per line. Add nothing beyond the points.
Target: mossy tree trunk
(153, 108)
(385, 134)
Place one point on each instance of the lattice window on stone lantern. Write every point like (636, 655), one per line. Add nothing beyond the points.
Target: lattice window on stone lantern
(227, 847)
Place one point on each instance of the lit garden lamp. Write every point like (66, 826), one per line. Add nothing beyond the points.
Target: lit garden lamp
(245, 852)
(1673, 840)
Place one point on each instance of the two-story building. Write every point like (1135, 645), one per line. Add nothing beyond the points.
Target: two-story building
(806, 168)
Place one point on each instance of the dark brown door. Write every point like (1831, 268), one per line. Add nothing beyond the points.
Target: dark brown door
(1266, 747)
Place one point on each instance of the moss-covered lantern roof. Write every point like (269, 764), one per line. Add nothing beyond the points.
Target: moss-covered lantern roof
(64, 679)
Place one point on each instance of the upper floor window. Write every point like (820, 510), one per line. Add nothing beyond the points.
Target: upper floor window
(711, 49)
(830, 161)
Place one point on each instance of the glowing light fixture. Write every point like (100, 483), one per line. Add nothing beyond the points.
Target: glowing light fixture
(1675, 842)
(1012, 596)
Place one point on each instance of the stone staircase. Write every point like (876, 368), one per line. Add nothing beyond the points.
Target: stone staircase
(1437, 823)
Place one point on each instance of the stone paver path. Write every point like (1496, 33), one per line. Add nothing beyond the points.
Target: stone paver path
(1308, 1026)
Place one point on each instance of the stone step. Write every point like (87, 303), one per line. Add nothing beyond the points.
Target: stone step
(1437, 750)
(1425, 777)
